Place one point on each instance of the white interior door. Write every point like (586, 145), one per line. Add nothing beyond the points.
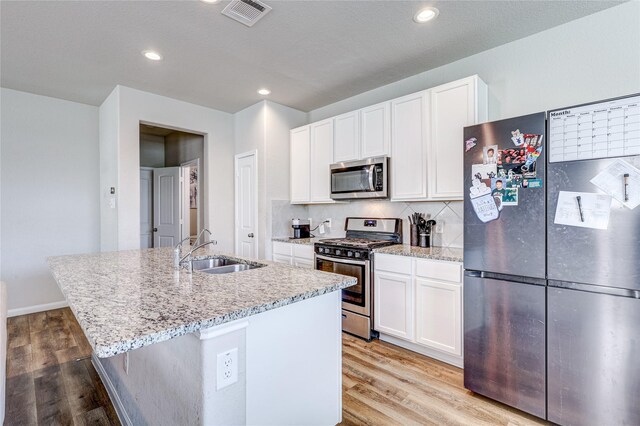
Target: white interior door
(246, 205)
(146, 208)
(166, 206)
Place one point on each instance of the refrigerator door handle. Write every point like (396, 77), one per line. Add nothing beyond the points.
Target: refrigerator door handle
(476, 274)
(613, 291)
(504, 277)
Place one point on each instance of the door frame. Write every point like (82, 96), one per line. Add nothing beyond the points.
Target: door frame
(149, 169)
(237, 158)
(186, 208)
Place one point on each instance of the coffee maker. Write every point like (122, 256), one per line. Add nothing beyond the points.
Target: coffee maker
(301, 228)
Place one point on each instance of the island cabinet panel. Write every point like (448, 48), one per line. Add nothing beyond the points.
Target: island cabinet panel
(346, 142)
(418, 305)
(300, 151)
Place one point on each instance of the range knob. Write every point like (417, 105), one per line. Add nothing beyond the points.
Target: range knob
(320, 250)
(358, 254)
(338, 252)
(349, 254)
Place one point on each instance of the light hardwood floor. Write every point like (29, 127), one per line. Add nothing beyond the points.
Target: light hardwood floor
(50, 380)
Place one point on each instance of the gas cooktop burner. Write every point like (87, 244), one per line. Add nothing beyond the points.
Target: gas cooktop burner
(355, 242)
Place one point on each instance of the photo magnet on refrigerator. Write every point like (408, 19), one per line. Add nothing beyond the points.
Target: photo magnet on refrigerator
(484, 204)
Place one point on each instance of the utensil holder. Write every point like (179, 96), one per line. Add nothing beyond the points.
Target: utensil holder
(413, 236)
(425, 240)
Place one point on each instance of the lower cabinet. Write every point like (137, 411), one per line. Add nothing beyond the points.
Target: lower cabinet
(293, 254)
(393, 301)
(418, 305)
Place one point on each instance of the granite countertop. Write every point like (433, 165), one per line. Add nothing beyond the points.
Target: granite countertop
(302, 241)
(434, 253)
(129, 299)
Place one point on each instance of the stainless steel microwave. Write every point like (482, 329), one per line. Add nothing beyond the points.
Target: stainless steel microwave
(360, 179)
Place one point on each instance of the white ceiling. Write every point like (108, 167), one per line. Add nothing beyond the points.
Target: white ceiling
(309, 53)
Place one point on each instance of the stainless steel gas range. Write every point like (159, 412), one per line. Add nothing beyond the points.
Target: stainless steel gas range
(352, 256)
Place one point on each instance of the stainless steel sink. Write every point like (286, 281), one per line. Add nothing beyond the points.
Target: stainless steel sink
(221, 265)
(230, 268)
(212, 262)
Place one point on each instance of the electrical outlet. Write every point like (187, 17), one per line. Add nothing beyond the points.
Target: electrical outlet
(439, 227)
(227, 368)
(328, 222)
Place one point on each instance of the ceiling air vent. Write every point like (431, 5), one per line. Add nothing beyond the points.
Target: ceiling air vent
(247, 12)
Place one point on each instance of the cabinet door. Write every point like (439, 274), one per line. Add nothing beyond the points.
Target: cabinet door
(453, 106)
(375, 130)
(439, 315)
(346, 142)
(280, 258)
(393, 305)
(303, 263)
(321, 158)
(409, 122)
(300, 151)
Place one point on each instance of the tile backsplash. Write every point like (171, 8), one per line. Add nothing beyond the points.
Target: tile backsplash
(449, 213)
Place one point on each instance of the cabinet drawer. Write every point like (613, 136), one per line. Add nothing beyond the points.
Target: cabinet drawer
(305, 252)
(282, 248)
(438, 270)
(391, 263)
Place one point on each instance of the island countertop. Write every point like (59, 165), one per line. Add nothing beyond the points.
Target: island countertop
(129, 299)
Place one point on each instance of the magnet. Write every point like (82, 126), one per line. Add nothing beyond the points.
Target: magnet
(517, 137)
(486, 171)
(484, 204)
(470, 143)
(532, 183)
(510, 197)
(490, 154)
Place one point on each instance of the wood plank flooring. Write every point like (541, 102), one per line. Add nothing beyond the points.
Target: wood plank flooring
(50, 380)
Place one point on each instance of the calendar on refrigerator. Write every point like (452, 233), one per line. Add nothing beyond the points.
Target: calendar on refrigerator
(598, 130)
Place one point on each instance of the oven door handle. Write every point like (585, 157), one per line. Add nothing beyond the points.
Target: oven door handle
(341, 260)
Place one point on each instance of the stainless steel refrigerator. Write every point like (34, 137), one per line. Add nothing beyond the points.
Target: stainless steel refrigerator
(504, 261)
(552, 276)
(593, 263)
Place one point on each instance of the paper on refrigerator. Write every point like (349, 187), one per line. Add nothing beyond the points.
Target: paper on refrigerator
(595, 210)
(611, 181)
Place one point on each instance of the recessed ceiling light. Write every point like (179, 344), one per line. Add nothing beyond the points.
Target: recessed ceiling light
(150, 54)
(264, 92)
(426, 14)
(210, 1)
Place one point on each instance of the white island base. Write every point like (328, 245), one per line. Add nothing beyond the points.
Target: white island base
(289, 371)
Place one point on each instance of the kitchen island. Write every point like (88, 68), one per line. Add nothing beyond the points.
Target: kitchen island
(163, 339)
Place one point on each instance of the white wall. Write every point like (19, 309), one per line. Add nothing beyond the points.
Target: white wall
(585, 60)
(50, 182)
(119, 139)
(265, 127)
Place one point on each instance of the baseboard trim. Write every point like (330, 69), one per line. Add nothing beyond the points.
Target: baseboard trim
(111, 390)
(431, 353)
(36, 308)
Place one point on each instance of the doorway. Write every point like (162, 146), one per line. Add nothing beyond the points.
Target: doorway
(171, 200)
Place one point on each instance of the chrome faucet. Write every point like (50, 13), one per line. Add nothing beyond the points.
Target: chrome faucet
(195, 243)
(189, 255)
(177, 253)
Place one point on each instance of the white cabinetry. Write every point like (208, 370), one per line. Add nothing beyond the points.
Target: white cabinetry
(418, 305)
(346, 141)
(293, 254)
(375, 130)
(311, 154)
(454, 106)
(300, 156)
(409, 118)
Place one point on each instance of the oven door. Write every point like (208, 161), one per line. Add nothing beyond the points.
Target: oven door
(359, 179)
(356, 298)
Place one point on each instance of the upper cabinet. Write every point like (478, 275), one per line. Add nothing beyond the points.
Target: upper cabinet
(300, 164)
(453, 106)
(311, 154)
(346, 141)
(422, 133)
(375, 130)
(321, 159)
(409, 137)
